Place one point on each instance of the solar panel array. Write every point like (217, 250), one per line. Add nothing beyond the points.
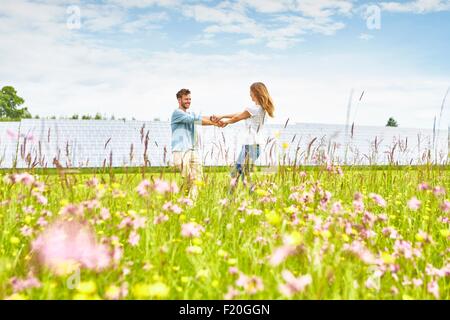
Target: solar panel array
(116, 143)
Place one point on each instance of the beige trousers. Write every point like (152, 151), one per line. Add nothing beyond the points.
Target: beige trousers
(189, 164)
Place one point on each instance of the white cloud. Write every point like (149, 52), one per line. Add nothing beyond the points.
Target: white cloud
(417, 6)
(365, 36)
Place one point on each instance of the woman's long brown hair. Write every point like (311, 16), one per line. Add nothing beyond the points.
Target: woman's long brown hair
(263, 97)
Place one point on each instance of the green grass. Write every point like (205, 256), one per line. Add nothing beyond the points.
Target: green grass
(160, 266)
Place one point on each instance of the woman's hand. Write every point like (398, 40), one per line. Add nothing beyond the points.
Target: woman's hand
(215, 118)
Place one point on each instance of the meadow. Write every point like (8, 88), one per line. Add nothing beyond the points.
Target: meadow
(324, 232)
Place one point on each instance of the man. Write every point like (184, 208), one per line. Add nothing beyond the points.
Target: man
(184, 140)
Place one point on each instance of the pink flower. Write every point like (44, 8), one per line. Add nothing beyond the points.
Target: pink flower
(24, 178)
(336, 207)
(104, 214)
(433, 288)
(417, 282)
(22, 284)
(41, 199)
(70, 243)
(186, 201)
(143, 188)
(72, 209)
(191, 230)
(251, 285)
(134, 238)
(160, 219)
(280, 254)
(174, 187)
(161, 186)
(12, 134)
(378, 199)
(231, 293)
(139, 222)
(294, 285)
(424, 186)
(414, 203)
(26, 231)
(233, 270)
(438, 191)
(445, 206)
(92, 182)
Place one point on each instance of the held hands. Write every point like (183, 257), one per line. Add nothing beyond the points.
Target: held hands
(218, 121)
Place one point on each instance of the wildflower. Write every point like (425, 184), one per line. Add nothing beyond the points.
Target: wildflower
(143, 188)
(336, 207)
(105, 214)
(280, 254)
(161, 186)
(378, 199)
(194, 250)
(65, 245)
(160, 219)
(417, 282)
(424, 186)
(186, 201)
(438, 191)
(293, 285)
(134, 238)
(156, 290)
(22, 284)
(233, 270)
(72, 209)
(191, 230)
(92, 182)
(26, 231)
(433, 288)
(231, 293)
(414, 204)
(445, 206)
(251, 285)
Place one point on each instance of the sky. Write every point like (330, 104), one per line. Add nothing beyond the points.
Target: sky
(129, 58)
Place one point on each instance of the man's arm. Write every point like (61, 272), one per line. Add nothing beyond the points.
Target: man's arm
(207, 122)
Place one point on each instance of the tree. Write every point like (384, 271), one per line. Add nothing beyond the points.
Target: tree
(9, 103)
(98, 116)
(75, 117)
(392, 123)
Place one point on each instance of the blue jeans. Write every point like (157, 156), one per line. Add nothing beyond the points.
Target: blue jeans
(249, 154)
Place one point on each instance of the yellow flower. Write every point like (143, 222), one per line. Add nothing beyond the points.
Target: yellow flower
(194, 250)
(232, 261)
(65, 267)
(64, 202)
(158, 290)
(17, 296)
(112, 292)
(387, 258)
(294, 238)
(261, 192)
(184, 279)
(222, 253)
(87, 287)
(215, 284)
(202, 274)
(14, 240)
(285, 145)
(273, 218)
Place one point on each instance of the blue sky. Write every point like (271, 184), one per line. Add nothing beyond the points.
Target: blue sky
(128, 58)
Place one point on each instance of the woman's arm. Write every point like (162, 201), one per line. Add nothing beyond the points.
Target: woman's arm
(238, 117)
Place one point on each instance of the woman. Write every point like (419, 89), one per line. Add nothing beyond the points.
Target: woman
(254, 117)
